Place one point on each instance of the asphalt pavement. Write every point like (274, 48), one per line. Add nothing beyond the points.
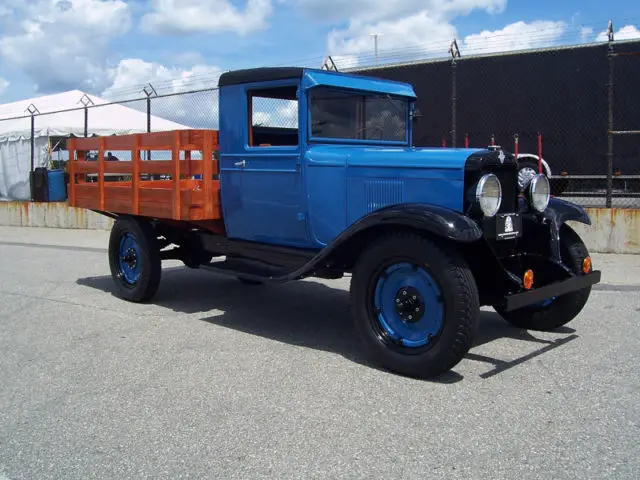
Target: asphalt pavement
(215, 379)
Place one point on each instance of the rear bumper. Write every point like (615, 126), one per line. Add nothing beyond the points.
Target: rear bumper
(519, 300)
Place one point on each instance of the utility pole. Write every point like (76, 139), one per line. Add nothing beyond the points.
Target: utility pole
(375, 43)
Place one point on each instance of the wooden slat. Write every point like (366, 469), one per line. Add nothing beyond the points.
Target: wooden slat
(175, 159)
(71, 147)
(207, 176)
(123, 167)
(101, 171)
(135, 181)
(175, 199)
(88, 143)
(156, 167)
(86, 167)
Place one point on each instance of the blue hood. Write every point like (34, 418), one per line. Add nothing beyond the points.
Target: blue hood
(393, 157)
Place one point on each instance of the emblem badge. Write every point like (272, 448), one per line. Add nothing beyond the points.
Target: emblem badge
(501, 156)
(508, 225)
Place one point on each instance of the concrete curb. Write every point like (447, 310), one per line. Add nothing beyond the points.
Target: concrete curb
(613, 230)
(51, 214)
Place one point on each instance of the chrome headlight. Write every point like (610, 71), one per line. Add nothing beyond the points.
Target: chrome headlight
(489, 194)
(539, 192)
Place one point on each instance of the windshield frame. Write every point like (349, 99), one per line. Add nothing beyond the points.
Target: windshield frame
(408, 102)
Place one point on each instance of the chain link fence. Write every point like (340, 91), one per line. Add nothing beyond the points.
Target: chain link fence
(576, 107)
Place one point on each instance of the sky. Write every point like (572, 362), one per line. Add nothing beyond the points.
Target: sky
(112, 48)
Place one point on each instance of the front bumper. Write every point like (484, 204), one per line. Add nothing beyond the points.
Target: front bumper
(529, 297)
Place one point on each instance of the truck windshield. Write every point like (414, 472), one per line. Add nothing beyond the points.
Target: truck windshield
(358, 116)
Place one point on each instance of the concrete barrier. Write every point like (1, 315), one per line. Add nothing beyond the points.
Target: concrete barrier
(51, 214)
(613, 230)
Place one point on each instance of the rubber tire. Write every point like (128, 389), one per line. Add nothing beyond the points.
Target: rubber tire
(461, 312)
(151, 271)
(565, 307)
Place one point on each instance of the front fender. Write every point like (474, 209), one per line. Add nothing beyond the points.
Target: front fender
(434, 219)
(557, 214)
(560, 211)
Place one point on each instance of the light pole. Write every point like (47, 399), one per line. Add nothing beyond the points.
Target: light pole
(375, 43)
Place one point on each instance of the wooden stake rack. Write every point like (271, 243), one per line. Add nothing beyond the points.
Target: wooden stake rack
(181, 197)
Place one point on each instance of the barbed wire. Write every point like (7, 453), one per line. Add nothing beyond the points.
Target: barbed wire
(503, 42)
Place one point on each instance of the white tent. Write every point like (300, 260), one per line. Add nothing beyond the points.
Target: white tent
(15, 133)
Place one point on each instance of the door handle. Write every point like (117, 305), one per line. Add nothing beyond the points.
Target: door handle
(242, 164)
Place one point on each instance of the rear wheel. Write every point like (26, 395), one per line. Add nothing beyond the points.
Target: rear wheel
(415, 305)
(134, 259)
(555, 312)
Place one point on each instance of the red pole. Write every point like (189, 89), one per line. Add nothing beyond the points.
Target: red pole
(444, 142)
(466, 140)
(515, 147)
(493, 140)
(539, 152)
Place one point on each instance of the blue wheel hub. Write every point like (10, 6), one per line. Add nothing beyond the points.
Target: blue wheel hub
(544, 303)
(408, 304)
(129, 259)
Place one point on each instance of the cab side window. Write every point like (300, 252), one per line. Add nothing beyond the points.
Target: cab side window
(273, 116)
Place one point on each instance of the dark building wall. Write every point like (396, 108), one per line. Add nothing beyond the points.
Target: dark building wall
(560, 93)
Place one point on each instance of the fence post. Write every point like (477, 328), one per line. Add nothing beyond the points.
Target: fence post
(33, 110)
(86, 101)
(610, 55)
(455, 52)
(149, 91)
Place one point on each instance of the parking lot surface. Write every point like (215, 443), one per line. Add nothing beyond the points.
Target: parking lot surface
(215, 379)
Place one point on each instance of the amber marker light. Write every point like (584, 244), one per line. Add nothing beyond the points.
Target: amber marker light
(586, 265)
(528, 279)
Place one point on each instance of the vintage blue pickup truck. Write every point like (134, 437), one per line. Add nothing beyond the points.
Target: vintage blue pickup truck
(428, 235)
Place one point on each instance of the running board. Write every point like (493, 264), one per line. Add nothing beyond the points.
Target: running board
(249, 270)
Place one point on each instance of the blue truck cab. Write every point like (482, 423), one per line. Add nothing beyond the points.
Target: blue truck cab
(319, 178)
(344, 152)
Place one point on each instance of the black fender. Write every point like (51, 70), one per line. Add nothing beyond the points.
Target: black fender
(437, 220)
(558, 212)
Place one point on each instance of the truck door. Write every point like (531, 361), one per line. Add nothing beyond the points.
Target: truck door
(265, 173)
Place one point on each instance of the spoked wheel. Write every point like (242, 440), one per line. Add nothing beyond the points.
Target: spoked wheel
(134, 259)
(415, 305)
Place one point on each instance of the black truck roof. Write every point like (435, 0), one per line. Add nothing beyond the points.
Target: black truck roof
(262, 74)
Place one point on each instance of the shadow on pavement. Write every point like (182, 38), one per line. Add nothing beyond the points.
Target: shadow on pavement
(303, 313)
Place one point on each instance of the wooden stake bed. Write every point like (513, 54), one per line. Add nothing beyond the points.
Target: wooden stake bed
(182, 197)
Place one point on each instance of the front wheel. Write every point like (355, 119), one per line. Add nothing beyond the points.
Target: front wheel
(415, 305)
(555, 312)
(134, 259)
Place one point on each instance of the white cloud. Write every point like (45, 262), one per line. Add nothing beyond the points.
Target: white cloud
(198, 110)
(405, 27)
(130, 75)
(585, 33)
(418, 29)
(362, 12)
(205, 16)
(62, 44)
(628, 32)
(4, 84)
(516, 36)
